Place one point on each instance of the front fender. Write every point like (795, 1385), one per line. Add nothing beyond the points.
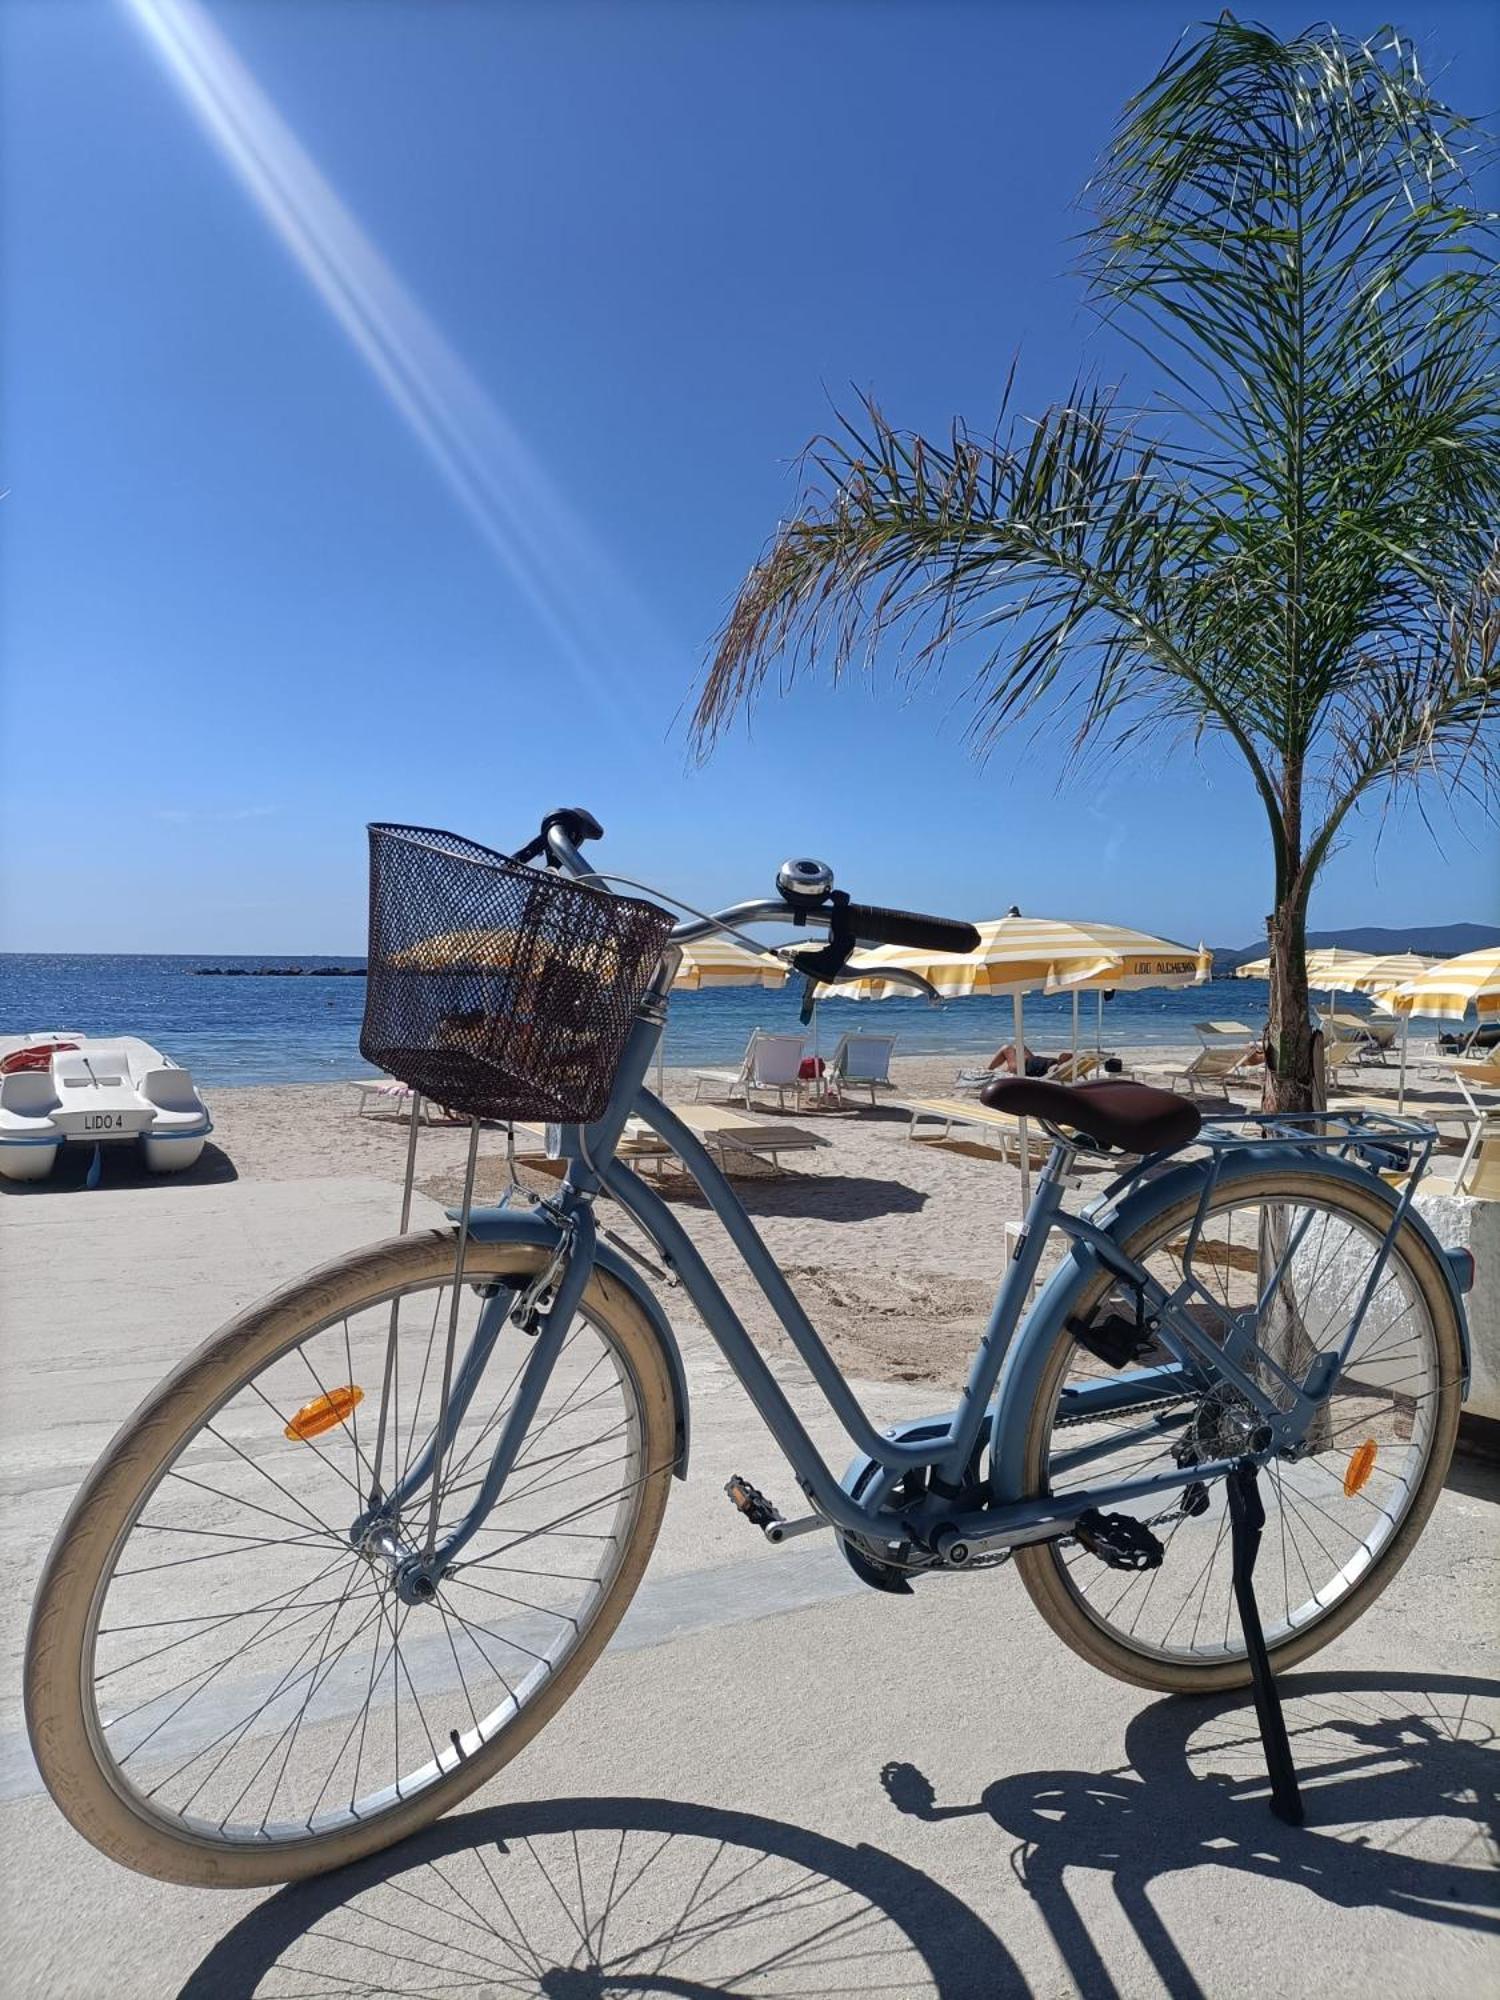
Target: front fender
(1135, 1207)
(532, 1227)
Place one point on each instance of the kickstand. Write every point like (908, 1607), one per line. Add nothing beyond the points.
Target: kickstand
(1247, 1517)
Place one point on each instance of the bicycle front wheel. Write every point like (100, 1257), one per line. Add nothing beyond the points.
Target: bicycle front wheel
(1340, 1520)
(222, 1688)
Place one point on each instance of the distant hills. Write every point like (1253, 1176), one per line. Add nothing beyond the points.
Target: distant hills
(1431, 940)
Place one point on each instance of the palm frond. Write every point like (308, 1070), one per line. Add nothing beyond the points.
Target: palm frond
(1293, 546)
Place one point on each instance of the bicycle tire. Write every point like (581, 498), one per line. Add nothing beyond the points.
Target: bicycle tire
(58, 1692)
(1042, 1567)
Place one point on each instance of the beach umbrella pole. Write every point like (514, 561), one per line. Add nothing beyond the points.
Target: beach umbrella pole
(1401, 1079)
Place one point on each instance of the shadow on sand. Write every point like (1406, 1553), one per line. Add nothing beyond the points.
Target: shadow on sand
(121, 1167)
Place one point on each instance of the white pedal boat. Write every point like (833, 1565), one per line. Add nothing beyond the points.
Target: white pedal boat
(62, 1089)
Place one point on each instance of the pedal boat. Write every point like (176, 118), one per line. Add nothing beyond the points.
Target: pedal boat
(62, 1089)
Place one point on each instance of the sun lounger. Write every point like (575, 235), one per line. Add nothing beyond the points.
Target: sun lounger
(1078, 1067)
(733, 1136)
(1373, 1040)
(1477, 1171)
(860, 1062)
(1338, 1055)
(1210, 1071)
(1215, 1034)
(770, 1062)
(389, 1099)
(1472, 1073)
(996, 1128)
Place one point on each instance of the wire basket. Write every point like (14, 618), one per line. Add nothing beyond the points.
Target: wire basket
(496, 990)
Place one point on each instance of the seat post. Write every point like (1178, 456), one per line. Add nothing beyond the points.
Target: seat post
(1059, 1168)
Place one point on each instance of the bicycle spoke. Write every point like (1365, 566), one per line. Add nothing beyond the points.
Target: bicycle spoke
(275, 1698)
(1313, 1264)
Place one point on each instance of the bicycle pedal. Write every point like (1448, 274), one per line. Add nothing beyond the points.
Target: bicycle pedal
(751, 1502)
(1118, 1540)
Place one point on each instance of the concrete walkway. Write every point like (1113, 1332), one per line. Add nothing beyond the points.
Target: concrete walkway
(775, 1782)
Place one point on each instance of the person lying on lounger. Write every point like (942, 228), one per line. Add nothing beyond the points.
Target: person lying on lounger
(1005, 1060)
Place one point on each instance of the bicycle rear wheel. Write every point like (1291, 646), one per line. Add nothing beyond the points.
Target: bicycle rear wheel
(222, 1688)
(1340, 1520)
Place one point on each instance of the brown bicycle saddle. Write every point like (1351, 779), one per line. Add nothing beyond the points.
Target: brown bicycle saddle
(1130, 1116)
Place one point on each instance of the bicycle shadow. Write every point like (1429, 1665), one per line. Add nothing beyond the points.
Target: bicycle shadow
(826, 1197)
(1381, 1758)
(591, 1898)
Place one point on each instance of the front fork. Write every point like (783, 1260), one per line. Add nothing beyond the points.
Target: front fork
(418, 1571)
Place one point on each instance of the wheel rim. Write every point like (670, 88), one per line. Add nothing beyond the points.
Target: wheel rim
(249, 1677)
(1320, 1540)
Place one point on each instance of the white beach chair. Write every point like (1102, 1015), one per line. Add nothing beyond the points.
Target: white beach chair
(1339, 1055)
(1477, 1172)
(1212, 1069)
(1223, 1034)
(771, 1062)
(1076, 1068)
(1373, 1040)
(390, 1099)
(861, 1062)
(976, 1123)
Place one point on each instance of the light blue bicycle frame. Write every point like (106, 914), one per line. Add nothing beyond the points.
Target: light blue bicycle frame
(1005, 1375)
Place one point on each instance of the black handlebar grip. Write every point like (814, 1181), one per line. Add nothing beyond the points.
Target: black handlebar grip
(872, 925)
(577, 824)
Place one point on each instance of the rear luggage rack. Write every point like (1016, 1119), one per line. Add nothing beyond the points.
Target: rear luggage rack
(1336, 1131)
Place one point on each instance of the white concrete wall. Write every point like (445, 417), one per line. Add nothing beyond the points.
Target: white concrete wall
(1456, 1219)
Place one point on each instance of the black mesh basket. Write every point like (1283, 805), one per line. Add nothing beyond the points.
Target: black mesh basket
(497, 990)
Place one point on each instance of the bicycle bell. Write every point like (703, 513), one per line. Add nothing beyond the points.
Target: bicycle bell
(804, 881)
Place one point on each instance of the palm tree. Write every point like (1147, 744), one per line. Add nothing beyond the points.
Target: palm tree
(1293, 547)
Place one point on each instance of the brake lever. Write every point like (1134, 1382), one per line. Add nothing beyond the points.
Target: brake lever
(822, 964)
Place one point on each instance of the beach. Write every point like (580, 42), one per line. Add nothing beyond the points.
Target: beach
(894, 1246)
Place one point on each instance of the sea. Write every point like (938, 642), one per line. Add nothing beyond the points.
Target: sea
(277, 1020)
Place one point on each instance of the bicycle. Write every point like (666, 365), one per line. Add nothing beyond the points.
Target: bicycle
(276, 1633)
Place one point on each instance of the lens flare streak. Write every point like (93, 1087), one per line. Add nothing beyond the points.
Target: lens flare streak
(570, 583)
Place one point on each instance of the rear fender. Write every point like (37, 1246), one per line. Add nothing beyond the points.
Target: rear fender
(1132, 1210)
(535, 1229)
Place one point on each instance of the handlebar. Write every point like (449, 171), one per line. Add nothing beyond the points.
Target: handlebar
(873, 925)
(868, 923)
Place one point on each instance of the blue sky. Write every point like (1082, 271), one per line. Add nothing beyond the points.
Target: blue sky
(420, 495)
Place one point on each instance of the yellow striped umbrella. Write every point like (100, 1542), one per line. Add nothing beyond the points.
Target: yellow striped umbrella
(1015, 955)
(1331, 969)
(1389, 970)
(714, 961)
(1139, 961)
(1019, 955)
(1451, 987)
(1445, 990)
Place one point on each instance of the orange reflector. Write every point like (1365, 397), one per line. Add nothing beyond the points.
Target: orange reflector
(325, 1411)
(1361, 1465)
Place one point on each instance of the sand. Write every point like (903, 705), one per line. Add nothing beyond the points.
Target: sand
(894, 1246)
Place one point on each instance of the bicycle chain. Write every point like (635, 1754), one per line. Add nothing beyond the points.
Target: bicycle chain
(994, 1559)
(1136, 1410)
(1173, 1513)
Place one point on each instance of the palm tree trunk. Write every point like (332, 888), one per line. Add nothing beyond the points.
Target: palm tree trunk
(1289, 1054)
